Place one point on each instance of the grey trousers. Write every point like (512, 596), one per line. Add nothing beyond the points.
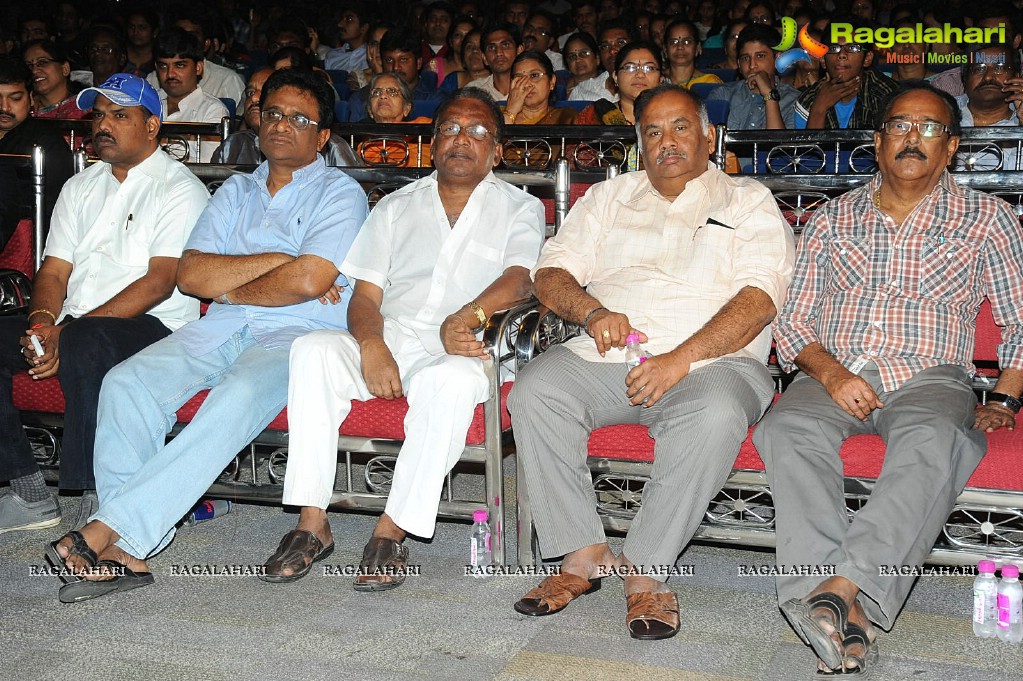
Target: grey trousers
(698, 426)
(931, 451)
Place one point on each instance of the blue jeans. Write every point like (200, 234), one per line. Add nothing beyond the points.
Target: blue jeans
(145, 484)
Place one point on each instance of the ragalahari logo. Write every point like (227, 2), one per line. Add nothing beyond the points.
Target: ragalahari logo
(788, 38)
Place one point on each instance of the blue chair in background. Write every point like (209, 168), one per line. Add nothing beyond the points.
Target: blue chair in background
(231, 105)
(717, 110)
(339, 78)
(424, 107)
(341, 112)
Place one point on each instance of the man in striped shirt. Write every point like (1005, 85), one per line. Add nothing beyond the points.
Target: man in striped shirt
(880, 319)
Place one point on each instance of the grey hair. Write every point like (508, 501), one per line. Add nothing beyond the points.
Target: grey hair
(406, 91)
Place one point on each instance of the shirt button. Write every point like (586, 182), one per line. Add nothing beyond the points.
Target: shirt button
(949, 256)
(842, 252)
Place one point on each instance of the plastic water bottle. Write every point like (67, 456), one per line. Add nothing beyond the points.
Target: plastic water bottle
(479, 544)
(985, 600)
(1010, 602)
(208, 509)
(634, 355)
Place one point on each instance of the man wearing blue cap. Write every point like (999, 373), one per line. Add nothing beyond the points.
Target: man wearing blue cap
(265, 249)
(106, 289)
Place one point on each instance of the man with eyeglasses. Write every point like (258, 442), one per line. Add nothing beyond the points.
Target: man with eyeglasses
(993, 93)
(500, 43)
(852, 95)
(613, 37)
(106, 54)
(880, 320)
(242, 147)
(696, 263)
(538, 34)
(267, 250)
(433, 262)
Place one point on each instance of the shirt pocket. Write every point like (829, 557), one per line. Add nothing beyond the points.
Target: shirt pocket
(709, 260)
(131, 247)
(947, 267)
(850, 262)
(480, 266)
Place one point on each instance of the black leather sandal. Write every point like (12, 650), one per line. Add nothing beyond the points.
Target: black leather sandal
(79, 547)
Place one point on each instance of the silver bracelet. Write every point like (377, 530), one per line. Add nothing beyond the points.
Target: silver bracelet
(224, 299)
(586, 320)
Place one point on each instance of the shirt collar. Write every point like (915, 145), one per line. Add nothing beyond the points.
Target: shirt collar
(707, 179)
(299, 178)
(946, 184)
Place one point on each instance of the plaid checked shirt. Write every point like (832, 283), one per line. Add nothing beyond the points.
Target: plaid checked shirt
(905, 298)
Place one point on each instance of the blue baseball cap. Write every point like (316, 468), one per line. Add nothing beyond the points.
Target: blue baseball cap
(123, 89)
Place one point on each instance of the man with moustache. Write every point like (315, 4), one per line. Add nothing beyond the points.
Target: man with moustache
(19, 132)
(265, 249)
(434, 261)
(105, 290)
(242, 147)
(500, 43)
(880, 320)
(993, 93)
(179, 68)
(696, 263)
(538, 34)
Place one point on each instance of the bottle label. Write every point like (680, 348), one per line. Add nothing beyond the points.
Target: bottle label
(979, 606)
(1008, 612)
(474, 558)
(487, 540)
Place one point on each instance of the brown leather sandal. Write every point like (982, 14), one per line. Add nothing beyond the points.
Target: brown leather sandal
(554, 593)
(383, 566)
(652, 616)
(298, 550)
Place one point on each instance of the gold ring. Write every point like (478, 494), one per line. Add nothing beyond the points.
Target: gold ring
(606, 333)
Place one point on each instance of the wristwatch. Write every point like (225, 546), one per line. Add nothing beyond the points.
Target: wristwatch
(1007, 401)
(773, 94)
(481, 316)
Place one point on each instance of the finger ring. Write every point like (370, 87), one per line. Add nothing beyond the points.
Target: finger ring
(857, 401)
(605, 333)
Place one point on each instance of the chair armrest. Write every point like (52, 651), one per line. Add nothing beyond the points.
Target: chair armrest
(539, 330)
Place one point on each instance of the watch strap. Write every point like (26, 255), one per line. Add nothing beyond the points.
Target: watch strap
(1008, 401)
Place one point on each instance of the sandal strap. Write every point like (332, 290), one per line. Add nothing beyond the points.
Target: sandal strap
(559, 590)
(297, 549)
(659, 607)
(833, 604)
(80, 548)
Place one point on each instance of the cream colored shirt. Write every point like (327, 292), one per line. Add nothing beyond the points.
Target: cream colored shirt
(671, 265)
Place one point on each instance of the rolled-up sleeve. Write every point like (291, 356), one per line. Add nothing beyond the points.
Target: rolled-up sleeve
(764, 246)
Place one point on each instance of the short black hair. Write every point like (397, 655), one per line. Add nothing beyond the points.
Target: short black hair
(679, 21)
(647, 96)
(629, 48)
(955, 127)
(294, 26)
(997, 10)
(471, 93)
(402, 40)
(760, 3)
(146, 13)
(306, 81)
(619, 25)
(757, 33)
(13, 71)
(506, 26)
(177, 42)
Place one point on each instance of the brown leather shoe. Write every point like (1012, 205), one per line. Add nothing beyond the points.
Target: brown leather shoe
(383, 565)
(652, 615)
(298, 550)
(554, 593)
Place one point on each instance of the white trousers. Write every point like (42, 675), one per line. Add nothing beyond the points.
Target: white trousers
(442, 392)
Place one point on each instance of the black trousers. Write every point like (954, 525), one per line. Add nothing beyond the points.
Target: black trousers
(89, 348)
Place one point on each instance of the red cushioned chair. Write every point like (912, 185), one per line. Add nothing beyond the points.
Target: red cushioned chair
(987, 519)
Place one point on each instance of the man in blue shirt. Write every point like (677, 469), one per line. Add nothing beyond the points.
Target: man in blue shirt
(758, 100)
(265, 249)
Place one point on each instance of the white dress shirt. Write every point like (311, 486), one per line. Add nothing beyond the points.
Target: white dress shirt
(593, 89)
(196, 107)
(108, 231)
(428, 269)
